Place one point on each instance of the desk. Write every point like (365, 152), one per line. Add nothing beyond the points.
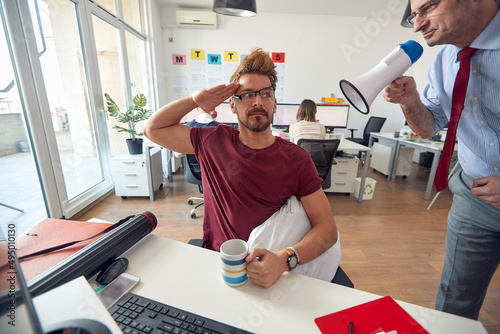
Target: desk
(426, 146)
(189, 277)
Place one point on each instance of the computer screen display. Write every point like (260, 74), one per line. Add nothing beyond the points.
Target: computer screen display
(224, 115)
(331, 116)
(189, 116)
(285, 115)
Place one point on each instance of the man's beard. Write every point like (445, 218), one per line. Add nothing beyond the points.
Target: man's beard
(259, 123)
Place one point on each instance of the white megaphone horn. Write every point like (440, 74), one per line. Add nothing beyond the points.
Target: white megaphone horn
(364, 89)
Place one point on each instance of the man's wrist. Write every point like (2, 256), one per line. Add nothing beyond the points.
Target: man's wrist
(283, 260)
(296, 254)
(292, 260)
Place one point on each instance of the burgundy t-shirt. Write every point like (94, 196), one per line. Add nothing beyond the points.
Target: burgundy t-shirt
(242, 187)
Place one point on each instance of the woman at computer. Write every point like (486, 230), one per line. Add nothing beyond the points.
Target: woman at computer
(307, 126)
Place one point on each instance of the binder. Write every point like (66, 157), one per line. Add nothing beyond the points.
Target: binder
(382, 314)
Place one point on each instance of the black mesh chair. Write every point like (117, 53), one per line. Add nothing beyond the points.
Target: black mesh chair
(192, 173)
(322, 152)
(341, 278)
(374, 124)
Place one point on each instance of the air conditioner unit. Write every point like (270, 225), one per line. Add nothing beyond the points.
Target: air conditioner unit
(196, 19)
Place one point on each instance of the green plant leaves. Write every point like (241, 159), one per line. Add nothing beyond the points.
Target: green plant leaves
(112, 108)
(133, 115)
(140, 100)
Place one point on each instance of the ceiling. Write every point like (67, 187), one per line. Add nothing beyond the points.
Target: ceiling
(363, 8)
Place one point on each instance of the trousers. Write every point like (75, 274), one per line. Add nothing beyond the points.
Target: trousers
(472, 251)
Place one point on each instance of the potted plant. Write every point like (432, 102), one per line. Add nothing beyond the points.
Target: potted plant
(134, 114)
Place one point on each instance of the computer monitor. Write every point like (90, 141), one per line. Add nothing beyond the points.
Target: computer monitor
(224, 115)
(17, 312)
(285, 115)
(189, 116)
(331, 116)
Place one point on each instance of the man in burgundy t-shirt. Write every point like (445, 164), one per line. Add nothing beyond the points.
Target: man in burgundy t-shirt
(242, 187)
(248, 174)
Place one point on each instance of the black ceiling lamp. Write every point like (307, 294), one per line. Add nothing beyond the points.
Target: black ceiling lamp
(243, 8)
(404, 22)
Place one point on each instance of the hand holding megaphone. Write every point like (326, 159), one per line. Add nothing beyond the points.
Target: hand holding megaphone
(361, 91)
(401, 91)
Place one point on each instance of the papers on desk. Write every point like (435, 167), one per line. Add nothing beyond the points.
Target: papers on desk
(70, 303)
(380, 315)
(425, 141)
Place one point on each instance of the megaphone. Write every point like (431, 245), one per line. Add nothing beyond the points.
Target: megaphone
(364, 89)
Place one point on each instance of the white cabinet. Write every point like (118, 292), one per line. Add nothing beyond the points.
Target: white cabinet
(343, 175)
(138, 174)
(382, 156)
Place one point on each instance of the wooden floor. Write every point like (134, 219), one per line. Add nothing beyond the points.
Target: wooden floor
(391, 245)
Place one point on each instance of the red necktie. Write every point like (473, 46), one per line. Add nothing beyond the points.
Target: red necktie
(458, 98)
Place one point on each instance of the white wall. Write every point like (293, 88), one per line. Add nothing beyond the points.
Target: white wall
(319, 52)
(157, 50)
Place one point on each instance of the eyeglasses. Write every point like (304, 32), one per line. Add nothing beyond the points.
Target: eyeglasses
(265, 93)
(423, 11)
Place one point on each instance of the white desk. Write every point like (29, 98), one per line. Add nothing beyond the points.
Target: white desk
(423, 145)
(189, 277)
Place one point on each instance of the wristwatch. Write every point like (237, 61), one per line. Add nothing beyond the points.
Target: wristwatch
(293, 258)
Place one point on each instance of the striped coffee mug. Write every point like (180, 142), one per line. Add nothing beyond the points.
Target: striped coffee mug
(234, 268)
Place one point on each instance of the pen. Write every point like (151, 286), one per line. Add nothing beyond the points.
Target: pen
(351, 325)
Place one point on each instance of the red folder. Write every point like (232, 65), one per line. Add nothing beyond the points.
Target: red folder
(49, 233)
(381, 314)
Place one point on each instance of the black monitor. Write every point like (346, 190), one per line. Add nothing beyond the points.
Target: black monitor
(330, 115)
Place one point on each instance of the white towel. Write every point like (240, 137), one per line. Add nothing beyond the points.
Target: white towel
(287, 227)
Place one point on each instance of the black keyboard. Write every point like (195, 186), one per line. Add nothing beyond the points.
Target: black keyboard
(136, 315)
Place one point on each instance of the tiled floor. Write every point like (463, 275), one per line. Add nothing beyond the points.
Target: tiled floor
(20, 185)
(20, 188)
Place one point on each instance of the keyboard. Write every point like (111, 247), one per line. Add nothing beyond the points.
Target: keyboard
(135, 314)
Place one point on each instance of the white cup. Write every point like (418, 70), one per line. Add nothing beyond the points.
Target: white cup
(234, 267)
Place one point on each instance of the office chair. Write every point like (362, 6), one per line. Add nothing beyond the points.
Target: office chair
(322, 152)
(192, 173)
(341, 278)
(374, 124)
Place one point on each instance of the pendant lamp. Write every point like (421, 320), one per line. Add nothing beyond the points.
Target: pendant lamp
(404, 22)
(243, 8)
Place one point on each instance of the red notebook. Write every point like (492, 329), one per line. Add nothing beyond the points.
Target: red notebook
(382, 314)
